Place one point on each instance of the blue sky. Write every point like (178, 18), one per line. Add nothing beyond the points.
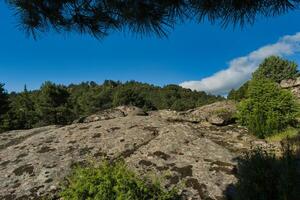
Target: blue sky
(191, 52)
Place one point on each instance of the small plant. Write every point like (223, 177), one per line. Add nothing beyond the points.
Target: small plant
(107, 181)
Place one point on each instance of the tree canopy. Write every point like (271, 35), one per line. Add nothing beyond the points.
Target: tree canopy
(100, 17)
(3, 100)
(276, 69)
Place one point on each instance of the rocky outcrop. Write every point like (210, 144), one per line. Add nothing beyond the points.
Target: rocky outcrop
(113, 113)
(200, 156)
(219, 113)
(293, 85)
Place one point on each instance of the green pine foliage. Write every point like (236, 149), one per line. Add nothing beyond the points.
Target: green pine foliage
(107, 181)
(22, 113)
(53, 105)
(59, 104)
(267, 108)
(100, 18)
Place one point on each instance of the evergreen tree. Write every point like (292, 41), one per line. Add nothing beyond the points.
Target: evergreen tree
(239, 94)
(3, 106)
(53, 105)
(128, 96)
(3, 100)
(101, 17)
(276, 69)
(22, 113)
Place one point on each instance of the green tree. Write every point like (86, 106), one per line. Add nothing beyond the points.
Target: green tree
(128, 96)
(53, 104)
(239, 94)
(22, 113)
(83, 98)
(3, 100)
(3, 106)
(276, 69)
(267, 109)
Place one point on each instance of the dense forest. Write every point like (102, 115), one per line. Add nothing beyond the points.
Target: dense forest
(59, 104)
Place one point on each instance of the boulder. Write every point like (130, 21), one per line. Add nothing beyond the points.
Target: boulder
(293, 85)
(220, 113)
(132, 111)
(102, 115)
(121, 111)
(289, 83)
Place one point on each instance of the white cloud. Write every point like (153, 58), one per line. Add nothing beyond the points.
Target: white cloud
(240, 69)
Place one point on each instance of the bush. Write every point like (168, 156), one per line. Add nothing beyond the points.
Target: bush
(112, 181)
(267, 109)
(263, 176)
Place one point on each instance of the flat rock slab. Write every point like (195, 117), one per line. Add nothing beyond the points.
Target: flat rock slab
(199, 157)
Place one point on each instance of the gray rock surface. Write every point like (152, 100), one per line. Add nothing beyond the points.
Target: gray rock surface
(120, 111)
(293, 85)
(200, 156)
(219, 113)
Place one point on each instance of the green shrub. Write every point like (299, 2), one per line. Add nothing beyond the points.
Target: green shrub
(267, 109)
(263, 176)
(112, 182)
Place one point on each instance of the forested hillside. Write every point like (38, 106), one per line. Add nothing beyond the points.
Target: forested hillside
(59, 104)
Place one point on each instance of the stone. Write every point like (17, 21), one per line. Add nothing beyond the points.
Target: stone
(217, 120)
(287, 83)
(121, 111)
(293, 85)
(132, 111)
(219, 113)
